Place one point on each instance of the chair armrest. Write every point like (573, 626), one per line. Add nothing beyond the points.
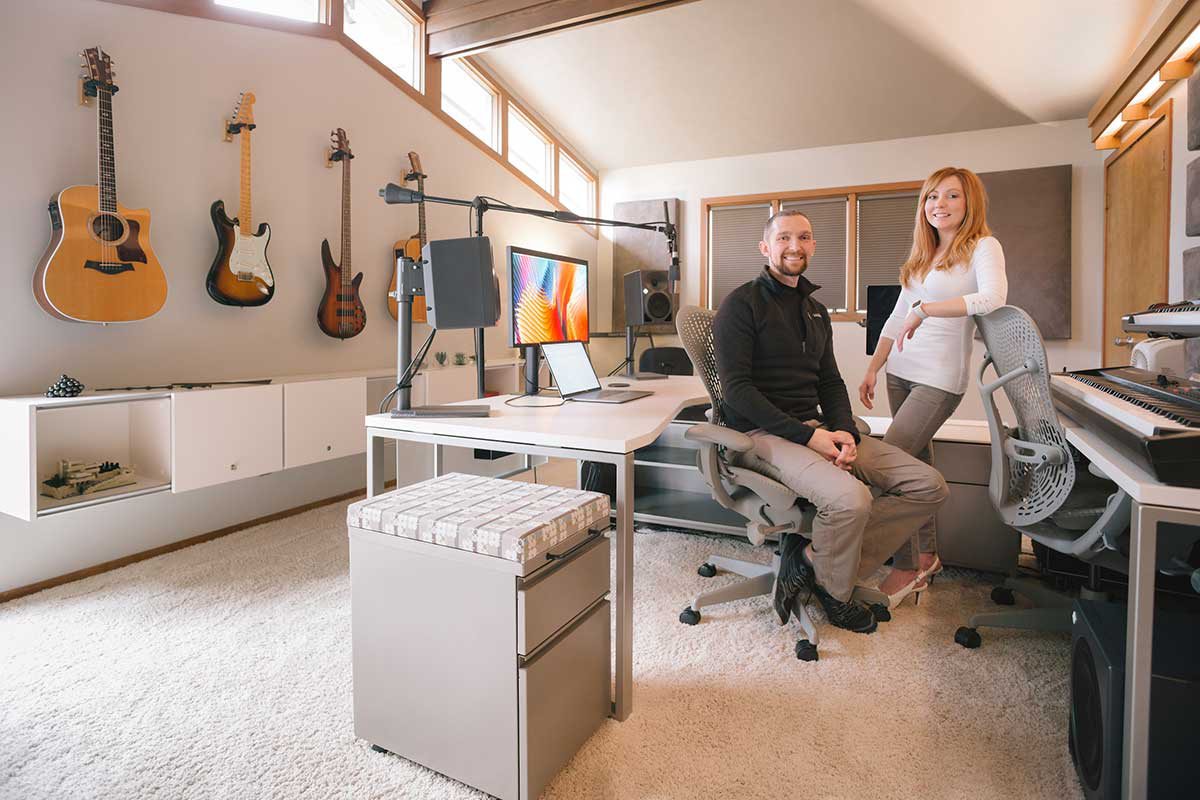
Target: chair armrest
(721, 436)
(863, 428)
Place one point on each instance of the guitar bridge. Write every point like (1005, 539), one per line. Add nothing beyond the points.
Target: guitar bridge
(245, 277)
(109, 267)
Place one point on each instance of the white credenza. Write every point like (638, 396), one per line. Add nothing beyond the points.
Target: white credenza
(187, 439)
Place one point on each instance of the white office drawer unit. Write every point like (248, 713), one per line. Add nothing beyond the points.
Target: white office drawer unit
(442, 610)
(323, 420)
(225, 435)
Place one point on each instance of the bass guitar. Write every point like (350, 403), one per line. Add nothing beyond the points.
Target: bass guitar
(99, 266)
(341, 313)
(240, 274)
(411, 246)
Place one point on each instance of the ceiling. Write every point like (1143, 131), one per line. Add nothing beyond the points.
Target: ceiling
(729, 77)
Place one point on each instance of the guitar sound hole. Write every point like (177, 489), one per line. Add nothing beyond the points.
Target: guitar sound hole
(108, 227)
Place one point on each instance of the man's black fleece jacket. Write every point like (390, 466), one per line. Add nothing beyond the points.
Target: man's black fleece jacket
(774, 349)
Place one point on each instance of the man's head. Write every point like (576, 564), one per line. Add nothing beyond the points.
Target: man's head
(788, 245)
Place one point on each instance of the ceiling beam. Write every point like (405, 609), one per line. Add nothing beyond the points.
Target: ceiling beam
(459, 27)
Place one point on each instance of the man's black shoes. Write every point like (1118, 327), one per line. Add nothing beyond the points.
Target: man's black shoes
(794, 576)
(850, 615)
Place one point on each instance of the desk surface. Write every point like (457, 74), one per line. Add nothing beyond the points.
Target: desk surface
(970, 431)
(603, 427)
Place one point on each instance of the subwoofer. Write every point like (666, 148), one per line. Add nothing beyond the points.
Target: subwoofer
(647, 299)
(1097, 716)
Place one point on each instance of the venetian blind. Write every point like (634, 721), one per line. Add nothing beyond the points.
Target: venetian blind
(828, 266)
(885, 231)
(734, 259)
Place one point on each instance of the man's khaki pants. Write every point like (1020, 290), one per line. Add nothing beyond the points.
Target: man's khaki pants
(854, 533)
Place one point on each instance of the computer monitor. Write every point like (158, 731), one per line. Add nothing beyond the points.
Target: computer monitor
(549, 298)
(880, 302)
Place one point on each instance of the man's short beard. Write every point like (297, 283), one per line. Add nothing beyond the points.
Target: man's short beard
(783, 271)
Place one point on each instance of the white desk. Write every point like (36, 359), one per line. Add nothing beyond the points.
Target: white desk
(1153, 503)
(608, 433)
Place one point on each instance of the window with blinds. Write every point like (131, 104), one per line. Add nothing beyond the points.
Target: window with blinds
(828, 266)
(885, 231)
(734, 234)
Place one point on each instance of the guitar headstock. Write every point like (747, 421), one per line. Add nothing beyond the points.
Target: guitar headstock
(339, 146)
(98, 72)
(417, 173)
(243, 116)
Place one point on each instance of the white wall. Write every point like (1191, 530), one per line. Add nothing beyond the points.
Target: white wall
(179, 77)
(896, 160)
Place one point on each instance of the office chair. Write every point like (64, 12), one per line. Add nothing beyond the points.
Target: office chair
(1036, 484)
(665, 361)
(750, 487)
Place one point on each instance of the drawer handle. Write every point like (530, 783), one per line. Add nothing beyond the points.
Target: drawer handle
(592, 536)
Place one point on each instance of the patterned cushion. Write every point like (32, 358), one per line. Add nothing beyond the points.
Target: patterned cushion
(509, 519)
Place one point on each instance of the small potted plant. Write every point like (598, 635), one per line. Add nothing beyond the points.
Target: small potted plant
(460, 358)
(440, 355)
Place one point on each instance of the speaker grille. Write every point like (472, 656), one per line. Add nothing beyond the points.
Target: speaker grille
(1087, 716)
(658, 306)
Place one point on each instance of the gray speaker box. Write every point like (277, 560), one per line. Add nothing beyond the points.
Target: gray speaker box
(647, 300)
(461, 287)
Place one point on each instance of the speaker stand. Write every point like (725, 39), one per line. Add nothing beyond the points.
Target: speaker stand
(630, 346)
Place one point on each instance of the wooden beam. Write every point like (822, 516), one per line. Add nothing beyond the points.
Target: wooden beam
(1176, 70)
(455, 28)
(1170, 30)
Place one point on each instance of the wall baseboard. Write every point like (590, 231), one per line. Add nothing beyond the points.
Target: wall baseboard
(108, 566)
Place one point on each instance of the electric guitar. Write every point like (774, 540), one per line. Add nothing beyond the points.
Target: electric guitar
(341, 313)
(240, 274)
(99, 266)
(411, 246)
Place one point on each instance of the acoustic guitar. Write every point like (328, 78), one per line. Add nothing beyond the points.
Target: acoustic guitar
(411, 246)
(99, 266)
(240, 274)
(341, 313)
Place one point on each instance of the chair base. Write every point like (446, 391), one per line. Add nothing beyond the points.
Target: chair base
(1051, 613)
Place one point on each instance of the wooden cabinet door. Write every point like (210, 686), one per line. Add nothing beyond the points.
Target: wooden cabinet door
(323, 420)
(225, 435)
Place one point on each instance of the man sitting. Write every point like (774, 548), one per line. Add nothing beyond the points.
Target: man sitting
(774, 354)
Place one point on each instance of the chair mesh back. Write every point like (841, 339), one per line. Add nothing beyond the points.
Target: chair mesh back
(695, 331)
(1029, 493)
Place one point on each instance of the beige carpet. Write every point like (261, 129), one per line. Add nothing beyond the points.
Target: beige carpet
(223, 671)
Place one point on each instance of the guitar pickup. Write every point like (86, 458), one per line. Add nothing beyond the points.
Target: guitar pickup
(345, 312)
(109, 267)
(345, 298)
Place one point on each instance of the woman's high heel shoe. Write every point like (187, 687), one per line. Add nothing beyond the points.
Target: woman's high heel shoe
(926, 575)
(913, 587)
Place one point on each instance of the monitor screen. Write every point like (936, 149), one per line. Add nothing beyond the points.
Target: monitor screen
(549, 298)
(880, 302)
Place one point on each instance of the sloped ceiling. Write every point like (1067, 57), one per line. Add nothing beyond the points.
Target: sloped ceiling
(728, 77)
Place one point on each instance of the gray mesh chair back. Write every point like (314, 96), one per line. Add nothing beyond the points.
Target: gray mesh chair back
(695, 332)
(1032, 469)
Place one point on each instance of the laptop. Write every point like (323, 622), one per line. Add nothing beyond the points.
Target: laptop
(572, 371)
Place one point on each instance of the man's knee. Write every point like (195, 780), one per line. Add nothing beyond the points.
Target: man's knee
(853, 502)
(933, 487)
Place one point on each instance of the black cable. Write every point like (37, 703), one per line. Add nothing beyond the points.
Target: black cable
(405, 379)
(509, 402)
(618, 367)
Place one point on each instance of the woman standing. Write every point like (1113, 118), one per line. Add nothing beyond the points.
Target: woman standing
(955, 270)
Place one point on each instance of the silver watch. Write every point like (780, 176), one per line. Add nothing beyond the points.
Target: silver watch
(920, 312)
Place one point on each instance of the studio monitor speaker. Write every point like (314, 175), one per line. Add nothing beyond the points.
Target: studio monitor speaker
(461, 288)
(1097, 715)
(647, 299)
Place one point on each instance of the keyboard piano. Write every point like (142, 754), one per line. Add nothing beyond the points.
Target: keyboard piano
(1166, 319)
(1152, 418)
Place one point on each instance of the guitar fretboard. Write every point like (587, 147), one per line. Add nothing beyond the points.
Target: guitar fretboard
(244, 203)
(345, 263)
(107, 161)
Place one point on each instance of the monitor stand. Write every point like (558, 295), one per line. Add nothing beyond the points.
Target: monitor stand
(530, 377)
(630, 346)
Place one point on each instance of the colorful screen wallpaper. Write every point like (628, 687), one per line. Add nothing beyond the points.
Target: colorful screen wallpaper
(549, 300)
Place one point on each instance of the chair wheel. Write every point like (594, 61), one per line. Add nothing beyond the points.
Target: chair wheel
(1003, 596)
(807, 651)
(880, 612)
(967, 637)
(706, 571)
(689, 616)
(378, 749)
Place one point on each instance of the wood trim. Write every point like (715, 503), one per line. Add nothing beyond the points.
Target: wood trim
(1169, 31)
(117, 563)
(1164, 111)
(808, 194)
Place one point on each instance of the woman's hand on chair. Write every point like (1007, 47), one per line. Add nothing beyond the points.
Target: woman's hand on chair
(866, 389)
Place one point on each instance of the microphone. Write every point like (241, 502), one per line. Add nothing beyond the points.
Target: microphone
(392, 194)
(673, 247)
(566, 216)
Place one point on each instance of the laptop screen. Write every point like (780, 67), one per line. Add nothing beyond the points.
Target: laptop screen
(571, 368)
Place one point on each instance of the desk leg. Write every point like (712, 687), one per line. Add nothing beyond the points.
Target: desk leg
(1139, 641)
(375, 470)
(624, 601)
(438, 460)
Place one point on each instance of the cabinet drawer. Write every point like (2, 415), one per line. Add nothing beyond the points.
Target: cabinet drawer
(225, 435)
(563, 694)
(557, 593)
(323, 420)
(971, 534)
(960, 462)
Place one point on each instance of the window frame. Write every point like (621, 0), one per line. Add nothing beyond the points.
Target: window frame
(428, 89)
(851, 194)
(588, 176)
(497, 107)
(514, 107)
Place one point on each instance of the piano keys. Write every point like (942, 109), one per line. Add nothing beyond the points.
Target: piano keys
(1154, 419)
(1178, 320)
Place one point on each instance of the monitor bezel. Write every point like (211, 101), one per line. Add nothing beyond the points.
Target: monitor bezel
(512, 323)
